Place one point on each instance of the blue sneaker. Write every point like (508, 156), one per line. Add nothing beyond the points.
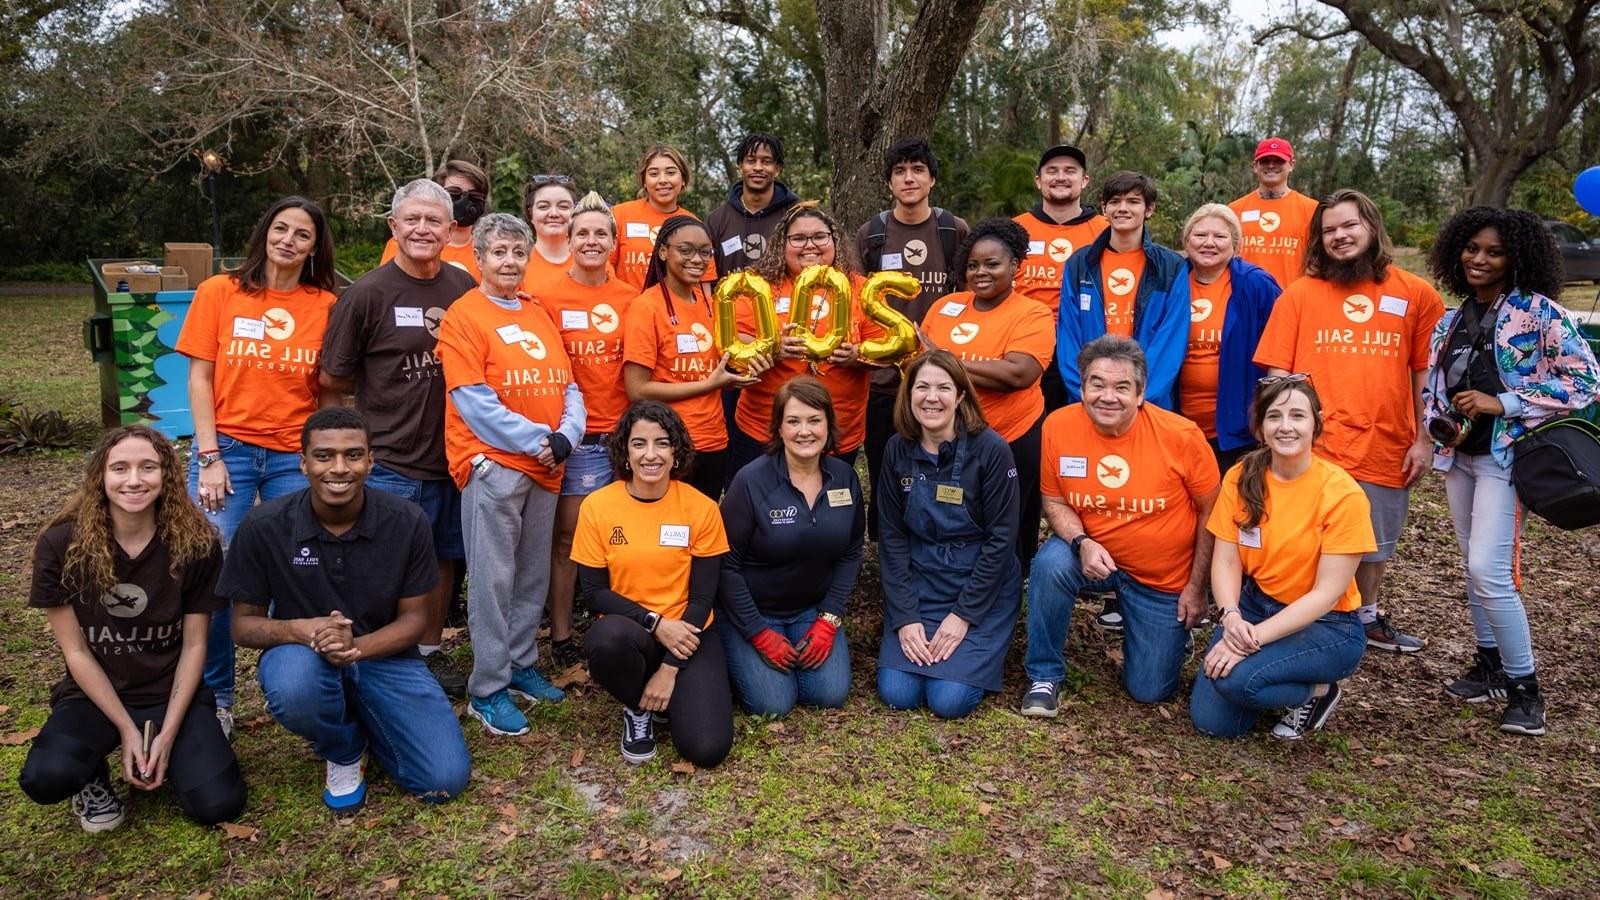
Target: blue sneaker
(498, 714)
(345, 788)
(530, 685)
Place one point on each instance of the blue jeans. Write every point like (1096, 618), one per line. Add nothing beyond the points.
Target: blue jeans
(1488, 522)
(392, 705)
(252, 472)
(945, 699)
(1154, 641)
(1282, 674)
(440, 502)
(765, 691)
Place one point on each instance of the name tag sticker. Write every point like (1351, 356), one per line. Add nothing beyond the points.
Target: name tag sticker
(952, 309)
(781, 306)
(732, 245)
(574, 319)
(1250, 537)
(688, 344)
(1250, 215)
(839, 497)
(892, 261)
(638, 229)
(1074, 466)
(674, 535)
(244, 327)
(1394, 306)
(1083, 302)
(948, 493)
(510, 334)
(408, 317)
(1036, 248)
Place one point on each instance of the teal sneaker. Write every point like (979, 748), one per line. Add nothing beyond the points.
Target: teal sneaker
(530, 685)
(499, 714)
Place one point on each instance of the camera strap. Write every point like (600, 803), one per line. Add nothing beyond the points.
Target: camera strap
(1474, 328)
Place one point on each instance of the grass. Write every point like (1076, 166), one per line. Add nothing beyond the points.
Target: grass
(1403, 795)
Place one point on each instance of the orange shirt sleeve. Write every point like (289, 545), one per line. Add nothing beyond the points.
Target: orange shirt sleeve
(1035, 334)
(1347, 523)
(639, 343)
(710, 537)
(198, 339)
(1275, 350)
(1048, 457)
(462, 350)
(1200, 473)
(1223, 523)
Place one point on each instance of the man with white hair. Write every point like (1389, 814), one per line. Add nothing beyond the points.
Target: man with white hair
(378, 355)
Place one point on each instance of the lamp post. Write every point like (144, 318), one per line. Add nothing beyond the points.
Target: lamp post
(213, 163)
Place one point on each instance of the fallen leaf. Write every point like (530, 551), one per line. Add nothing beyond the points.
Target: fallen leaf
(509, 810)
(389, 885)
(19, 737)
(575, 674)
(1165, 713)
(507, 830)
(1470, 866)
(450, 634)
(1405, 844)
(777, 727)
(241, 832)
(683, 767)
(1379, 761)
(1159, 893)
(4, 709)
(1507, 868)
(984, 809)
(670, 874)
(1336, 821)
(1218, 862)
(577, 758)
(987, 787)
(597, 853)
(203, 895)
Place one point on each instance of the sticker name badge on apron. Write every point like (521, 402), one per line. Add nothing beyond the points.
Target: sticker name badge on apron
(839, 497)
(949, 493)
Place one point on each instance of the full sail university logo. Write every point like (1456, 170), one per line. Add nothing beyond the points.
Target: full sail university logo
(125, 601)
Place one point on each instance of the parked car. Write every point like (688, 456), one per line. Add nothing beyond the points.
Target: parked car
(1581, 254)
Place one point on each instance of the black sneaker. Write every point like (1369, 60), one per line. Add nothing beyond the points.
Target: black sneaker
(455, 685)
(1042, 700)
(1110, 617)
(1485, 680)
(97, 806)
(565, 654)
(1524, 707)
(638, 736)
(1308, 717)
(1382, 635)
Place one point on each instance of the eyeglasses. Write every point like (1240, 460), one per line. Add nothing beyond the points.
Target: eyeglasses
(689, 251)
(541, 180)
(1267, 380)
(820, 239)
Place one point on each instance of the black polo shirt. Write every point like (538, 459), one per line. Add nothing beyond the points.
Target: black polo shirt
(282, 556)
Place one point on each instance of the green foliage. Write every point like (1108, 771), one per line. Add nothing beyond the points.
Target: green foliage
(23, 429)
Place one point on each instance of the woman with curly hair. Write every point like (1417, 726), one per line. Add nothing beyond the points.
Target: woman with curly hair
(1004, 341)
(1507, 360)
(649, 551)
(126, 573)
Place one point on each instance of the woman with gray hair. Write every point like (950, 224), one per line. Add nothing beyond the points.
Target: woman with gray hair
(1229, 302)
(514, 414)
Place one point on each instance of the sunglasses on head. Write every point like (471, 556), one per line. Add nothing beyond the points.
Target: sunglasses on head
(1268, 380)
(541, 180)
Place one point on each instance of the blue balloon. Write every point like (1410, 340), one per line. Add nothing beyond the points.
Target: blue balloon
(1586, 190)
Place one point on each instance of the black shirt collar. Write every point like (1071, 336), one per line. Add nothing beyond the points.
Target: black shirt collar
(308, 527)
(780, 468)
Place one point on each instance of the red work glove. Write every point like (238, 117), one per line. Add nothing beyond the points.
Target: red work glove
(773, 648)
(817, 644)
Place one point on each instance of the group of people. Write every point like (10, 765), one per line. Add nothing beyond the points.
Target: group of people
(1229, 430)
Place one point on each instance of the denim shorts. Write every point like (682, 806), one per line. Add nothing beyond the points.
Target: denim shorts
(588, 470)
(439, 499)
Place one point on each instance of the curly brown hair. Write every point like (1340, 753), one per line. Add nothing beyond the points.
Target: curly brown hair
(771, 264)
(89, 567)
(661, 414)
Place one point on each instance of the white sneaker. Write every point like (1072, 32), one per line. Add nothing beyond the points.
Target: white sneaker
(345, 789)
(97, 806)
(225, 719)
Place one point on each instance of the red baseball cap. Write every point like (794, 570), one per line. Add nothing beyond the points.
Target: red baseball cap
(1275, 146)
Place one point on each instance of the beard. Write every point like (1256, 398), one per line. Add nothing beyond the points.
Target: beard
(1350, 271)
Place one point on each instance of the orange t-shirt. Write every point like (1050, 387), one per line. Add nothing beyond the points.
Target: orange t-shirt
(956, 324)
(1120, 271)
(590, 319)
(1135, 492)
(519, 354)
(648, 547)
(848, 385)
(1197, 379)
(265, 349)
(1049, 246)
(637, 225)
(1322, 511)
(541, 274)
(1275, 232)
(680, 352)
(1360, 343)
(459, 255)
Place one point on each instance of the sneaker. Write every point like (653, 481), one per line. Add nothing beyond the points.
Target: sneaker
(1524, 707)
(498, 714)
(1110, 617)
(1382, 635)
(638, 736)
(225, 719)
(1309, 716)
(453, 683)
(530, 685)
(1485, 680)
(1042, 700)
(97, 805)
(344, 790)
(565, 654)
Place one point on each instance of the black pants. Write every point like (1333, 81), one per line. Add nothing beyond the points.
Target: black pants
(880, 427)
(706, 475)
(71, 750)
(1055, 390)
(623, 656)
(1025, 453)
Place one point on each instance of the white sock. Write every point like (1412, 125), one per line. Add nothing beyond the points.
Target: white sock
(1368, 613)
(427, 649)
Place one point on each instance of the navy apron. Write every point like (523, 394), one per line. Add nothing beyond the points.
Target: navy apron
(945, 543)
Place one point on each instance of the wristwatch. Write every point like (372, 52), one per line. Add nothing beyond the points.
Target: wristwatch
(651, 620)
(208, 457)
(1077, 543)
(832, 619)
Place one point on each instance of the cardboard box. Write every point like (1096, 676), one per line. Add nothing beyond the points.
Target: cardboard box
(194, 259)
(174, 278)
(138, 282)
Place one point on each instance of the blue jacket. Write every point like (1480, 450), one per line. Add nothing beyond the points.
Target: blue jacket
(1250, 302)
(1160, 316)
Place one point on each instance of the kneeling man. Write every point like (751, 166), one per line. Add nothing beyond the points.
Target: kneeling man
(332, 583)
(1127, 488)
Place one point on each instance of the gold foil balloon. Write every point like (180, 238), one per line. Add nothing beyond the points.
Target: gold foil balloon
(835, 290)
(725, 326)
(900, 341)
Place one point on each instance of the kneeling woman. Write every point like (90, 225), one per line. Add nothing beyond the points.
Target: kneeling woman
(649, 550)
(795, 524)
(947, 520)
(127, 572)
(1290, 529)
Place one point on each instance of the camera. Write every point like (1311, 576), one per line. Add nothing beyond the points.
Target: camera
(1449, 428)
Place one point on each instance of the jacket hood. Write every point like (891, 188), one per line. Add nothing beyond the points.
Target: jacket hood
(782, 199)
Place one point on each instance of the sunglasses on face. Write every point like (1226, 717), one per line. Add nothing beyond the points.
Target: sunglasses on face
(457, 193)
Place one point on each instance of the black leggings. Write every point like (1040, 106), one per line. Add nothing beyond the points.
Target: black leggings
(706, 475)
(71, 750)
(623, 656)
(1025, 454)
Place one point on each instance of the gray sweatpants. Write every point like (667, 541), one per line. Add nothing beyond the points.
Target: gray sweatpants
(507, 522)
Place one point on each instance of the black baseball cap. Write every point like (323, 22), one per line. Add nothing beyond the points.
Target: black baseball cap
(1063, 150)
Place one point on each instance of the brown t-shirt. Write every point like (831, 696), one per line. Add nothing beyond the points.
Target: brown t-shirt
(134, 630)
(383, 332)
(915, 250)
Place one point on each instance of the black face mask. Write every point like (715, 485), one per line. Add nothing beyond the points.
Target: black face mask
(467, 209)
